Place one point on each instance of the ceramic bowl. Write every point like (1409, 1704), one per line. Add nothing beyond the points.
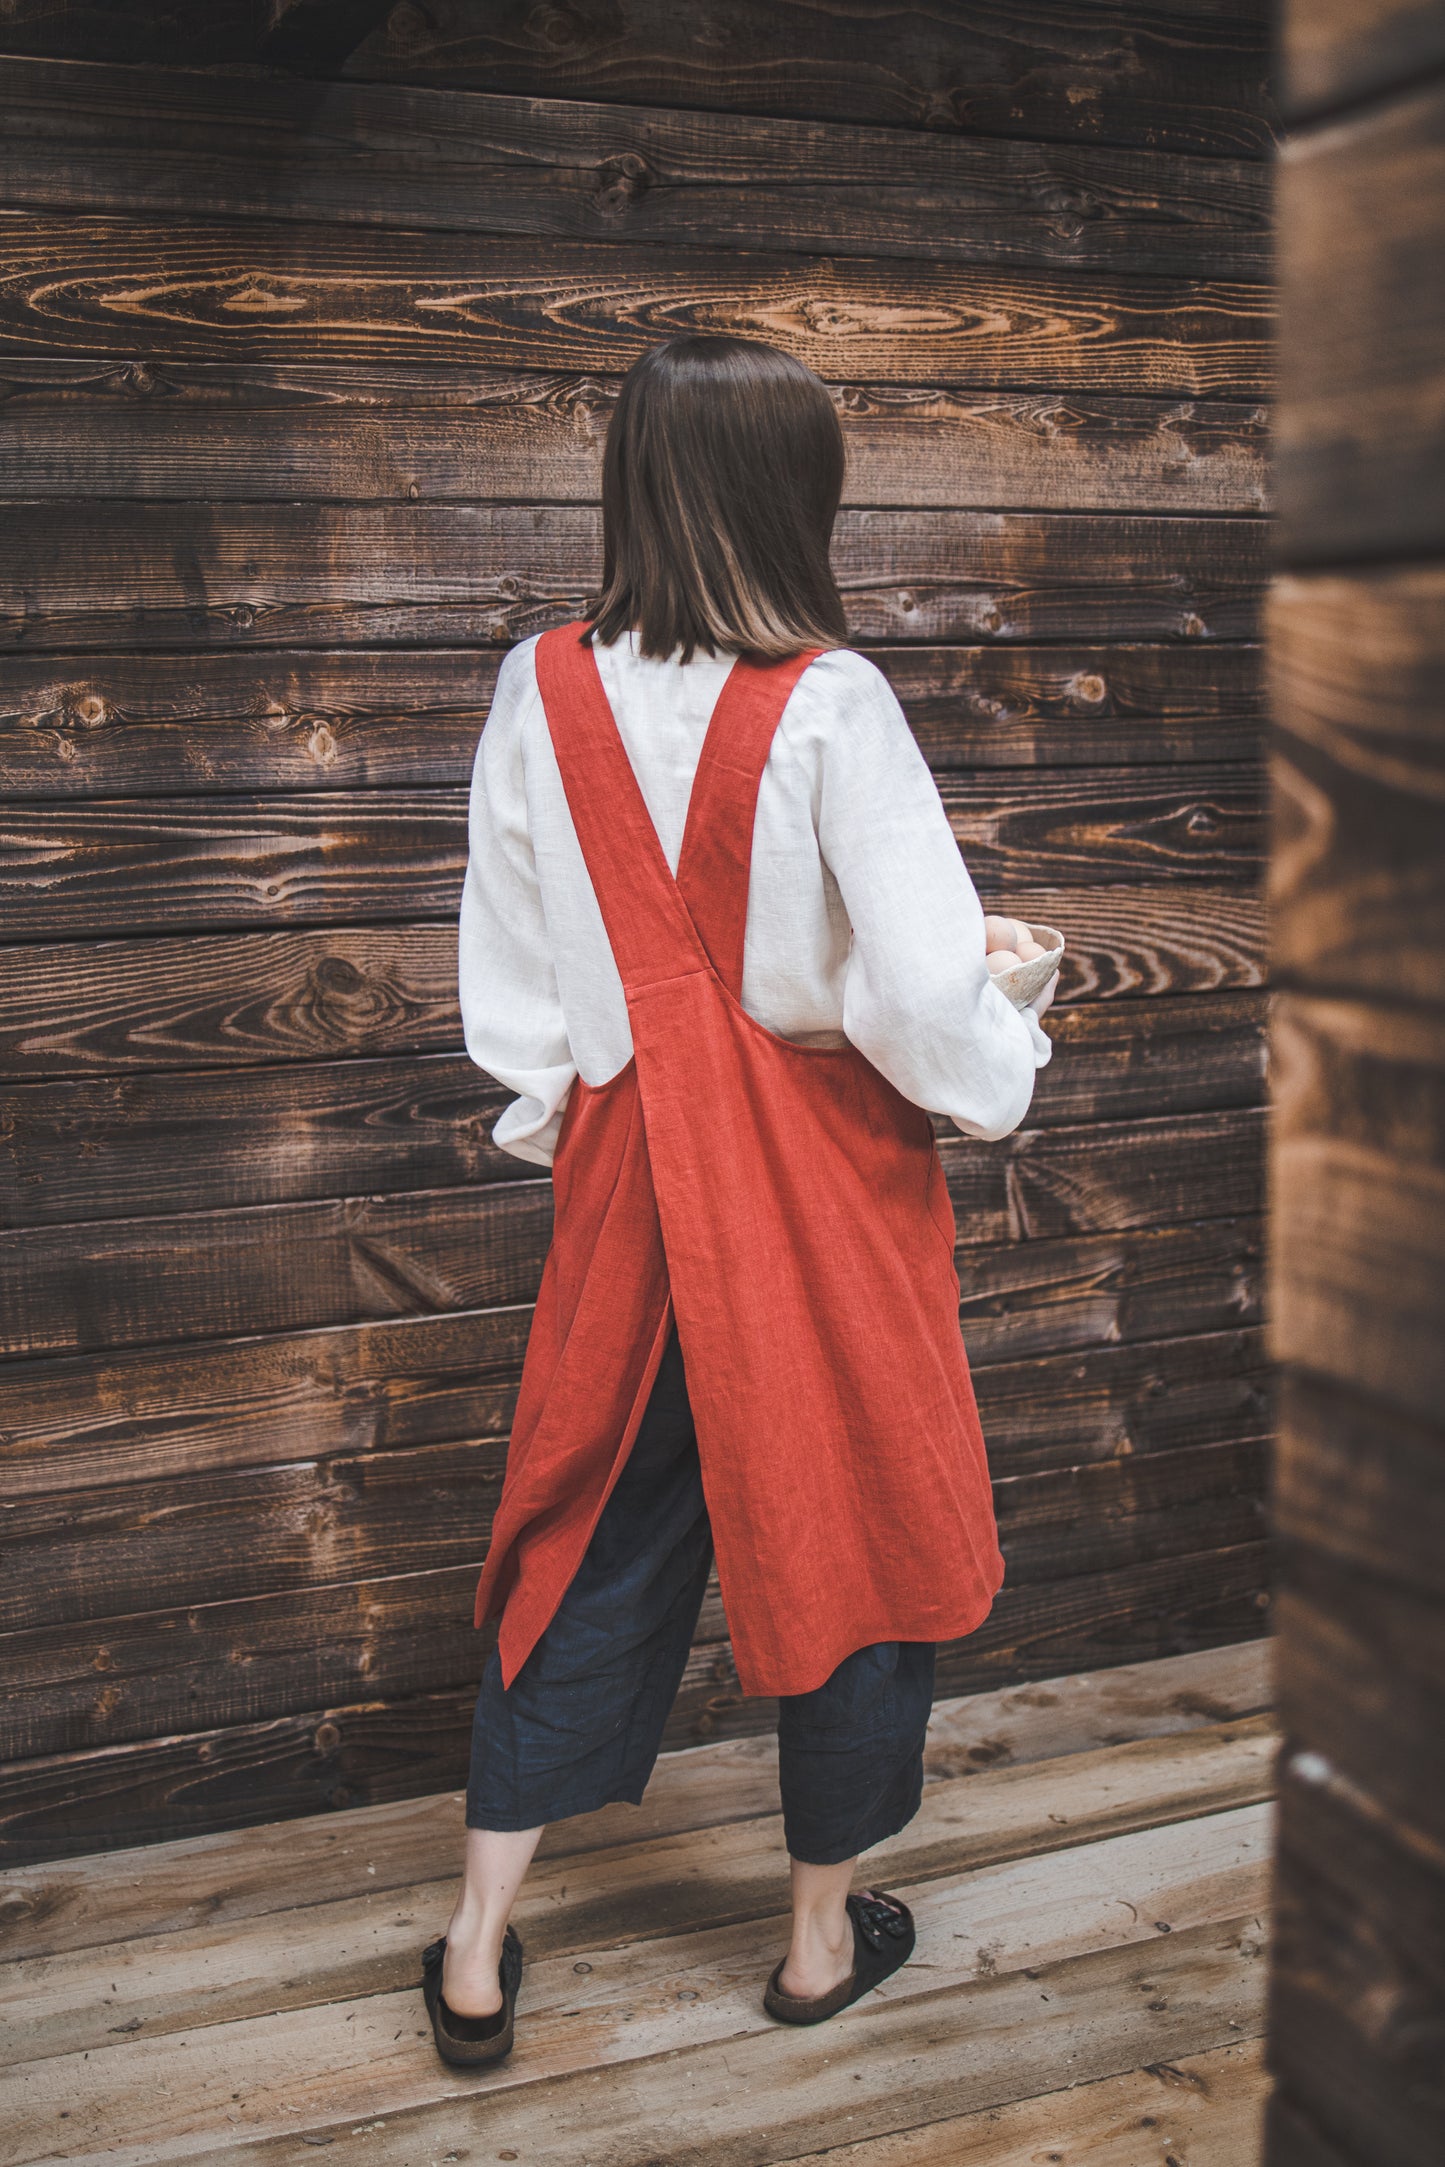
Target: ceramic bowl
(1027, 979)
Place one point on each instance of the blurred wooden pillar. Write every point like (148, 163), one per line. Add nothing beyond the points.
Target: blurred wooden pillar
(1358, 653)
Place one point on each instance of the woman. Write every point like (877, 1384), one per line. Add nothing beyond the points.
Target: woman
(717, 937)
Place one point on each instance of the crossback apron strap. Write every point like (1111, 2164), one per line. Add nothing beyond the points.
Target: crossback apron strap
(658, 926)
(648, 927)
(717, 845)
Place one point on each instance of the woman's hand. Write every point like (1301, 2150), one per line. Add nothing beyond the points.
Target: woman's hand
(1041, 1000)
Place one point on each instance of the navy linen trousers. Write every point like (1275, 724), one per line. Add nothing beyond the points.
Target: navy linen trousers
(581, 1723)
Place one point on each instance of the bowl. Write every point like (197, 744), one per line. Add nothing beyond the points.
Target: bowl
(1026, 980)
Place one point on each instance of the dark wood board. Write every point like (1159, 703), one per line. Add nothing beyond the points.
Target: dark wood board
(1361, 453)
(1358, 663)
(1339, 1833)
(314, 37)
(467, 161)
(261, 1400)
(153, 1414)
(140, 575)
(1292, 2139)
(226, 1000)
(1356, 2026)
(125, 725)
(90, 285)
(172, 33)
(94, 1563)
(1360, 1671)
(1337, 53)
(273, 1267)
(1182, 79)
(200, 1139)
(438, 434)
(231, 1000)
(140, 866)
(1358, 1480)
(329, 1757)
(1358, 1179)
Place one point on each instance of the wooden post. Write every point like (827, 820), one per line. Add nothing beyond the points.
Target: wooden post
(1357, 632)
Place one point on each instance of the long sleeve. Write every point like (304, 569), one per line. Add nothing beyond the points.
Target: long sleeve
(918, 1000)
(511, 1009)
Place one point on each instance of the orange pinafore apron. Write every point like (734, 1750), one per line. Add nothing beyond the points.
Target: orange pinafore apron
(787, 1204)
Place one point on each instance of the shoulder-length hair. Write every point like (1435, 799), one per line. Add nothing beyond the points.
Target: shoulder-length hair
(720, 485)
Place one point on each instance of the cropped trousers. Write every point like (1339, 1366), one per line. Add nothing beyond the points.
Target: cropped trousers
(581, 1723)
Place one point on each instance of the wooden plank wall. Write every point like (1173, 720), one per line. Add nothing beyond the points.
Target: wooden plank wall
(304, 386)
(1357, 636)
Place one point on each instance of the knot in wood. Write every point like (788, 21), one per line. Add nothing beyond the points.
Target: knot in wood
(326, 1738)
(1088, 689)
(622, 179)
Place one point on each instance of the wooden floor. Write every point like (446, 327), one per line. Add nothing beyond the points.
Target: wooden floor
(1088, 1872)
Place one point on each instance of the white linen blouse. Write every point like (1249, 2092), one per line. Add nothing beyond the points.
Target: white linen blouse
(863, 923)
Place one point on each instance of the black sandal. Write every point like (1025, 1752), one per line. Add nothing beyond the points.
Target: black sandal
(470, 2042)
(883, 1938)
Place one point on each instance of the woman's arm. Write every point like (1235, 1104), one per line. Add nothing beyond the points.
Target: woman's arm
(511, 1012)
(918, 1000)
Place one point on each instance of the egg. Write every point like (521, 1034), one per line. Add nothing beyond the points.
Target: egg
(999, 933)
(1028, 949)
(1002, 959)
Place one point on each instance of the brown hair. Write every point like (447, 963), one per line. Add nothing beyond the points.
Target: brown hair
(720, 485)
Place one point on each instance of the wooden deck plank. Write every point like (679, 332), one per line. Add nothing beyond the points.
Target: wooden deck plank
(683, 1884)
(770, 2098)
(1202, 2110)
(172, 2098)
(250, 1872)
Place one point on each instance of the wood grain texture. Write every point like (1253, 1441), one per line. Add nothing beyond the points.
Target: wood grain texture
(224, 1000)
(1183, 80)
(645, 1878)
(445, 160)
(136, 866)
(1357, 1480)
(1197, 2107)
(200, 1275)
(230, 1880)
(90, 1149)
(100, 1559)
(1337, 53)
(1021, 1912)
(125, 725)
(229, 1000)
(366, 1751)
(132, 289)
(300, 574)
(303, 389)
(1358, 1173)
(169, 32)
(1357, 661)
(1097, 2016)
(1358, 2020)
(1362, 347)
(152, 1414)
(1358, 1178)
(1360, 1674)
(353, 434)
(1292, 2139)
(313, 37)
